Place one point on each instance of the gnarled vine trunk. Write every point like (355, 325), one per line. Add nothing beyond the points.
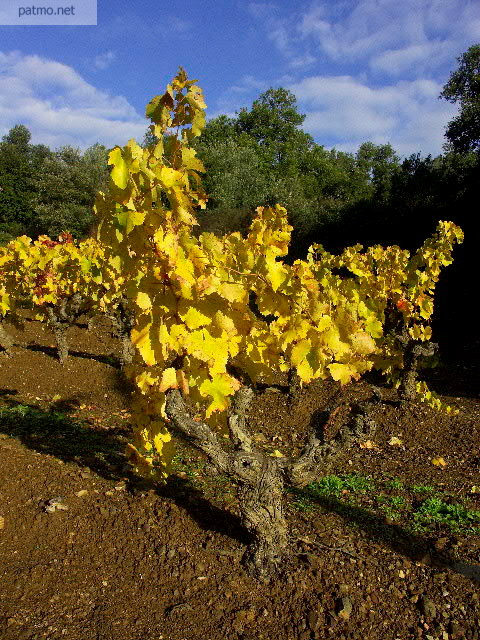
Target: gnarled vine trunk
(413, 350)
(59, 325)
(6, 341)
(262, 514)
(261, 478)
(122, 321)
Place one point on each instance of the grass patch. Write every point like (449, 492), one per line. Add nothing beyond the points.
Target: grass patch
(456, 517)
(330, 487)
(422, 488)
(395, 484)
(374, 497)
(337, 485)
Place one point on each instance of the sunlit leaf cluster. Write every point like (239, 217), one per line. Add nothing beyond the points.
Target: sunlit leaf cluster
(209, 307)
(212, 313)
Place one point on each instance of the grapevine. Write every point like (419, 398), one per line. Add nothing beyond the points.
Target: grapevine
(210, 317)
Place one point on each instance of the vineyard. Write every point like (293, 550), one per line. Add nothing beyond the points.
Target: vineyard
(213, 404)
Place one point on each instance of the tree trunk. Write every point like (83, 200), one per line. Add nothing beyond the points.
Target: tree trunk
(60, 332)
(6, 341)
(262, 514)
(128, 350)
(59, 328)
(259, 478)
(293, 385)
(408, 381)
(122, 320)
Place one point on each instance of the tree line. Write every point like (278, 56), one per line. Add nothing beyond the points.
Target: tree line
(262, 156)
(47, 192)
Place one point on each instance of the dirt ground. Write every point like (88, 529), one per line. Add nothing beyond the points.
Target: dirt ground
(90, 552)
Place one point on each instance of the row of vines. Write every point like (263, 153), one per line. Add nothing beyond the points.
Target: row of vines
(211, 318)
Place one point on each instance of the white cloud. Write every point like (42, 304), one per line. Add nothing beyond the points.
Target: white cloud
(247, 84)
(104, 60)
(239, 95)
(414, 36)
(418, 57)
(415, 42)
(60, 107)
(368, 27)
(283, 33)
(344, 112)
(358, 31)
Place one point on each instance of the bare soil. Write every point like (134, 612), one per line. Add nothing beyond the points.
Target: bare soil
(88, 551)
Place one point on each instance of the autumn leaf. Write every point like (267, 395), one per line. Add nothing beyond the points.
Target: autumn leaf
(395, 442)
(439, 462)
(369, 444)
(119, 172)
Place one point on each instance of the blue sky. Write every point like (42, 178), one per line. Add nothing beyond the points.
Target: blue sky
(361, 69)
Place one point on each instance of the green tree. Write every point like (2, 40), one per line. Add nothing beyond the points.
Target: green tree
(235, 182)
(381, 164)
(65, 191)
(263, 157)
(274, 123)
(463, 87)
(20, 163)
(256, 159)
(218, 130)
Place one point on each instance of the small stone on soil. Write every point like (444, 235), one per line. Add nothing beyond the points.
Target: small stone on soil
(427, 607)
(344, 607)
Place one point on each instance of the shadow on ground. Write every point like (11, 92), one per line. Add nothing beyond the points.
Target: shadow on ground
(56, 433)
(53, 352)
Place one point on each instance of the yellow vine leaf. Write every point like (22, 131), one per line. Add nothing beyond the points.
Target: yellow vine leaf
(195, 315)
(300, 351)
(145, 380)
(369, 444)
(202, 345)
(141, 339)
(143, 464)
(168, 380)
(277, 272)
(127, 220)
(119, 172)
(342, 373)
(219, 388)
(363, 343)
(233, 292)
(143, 300)
(305, 371)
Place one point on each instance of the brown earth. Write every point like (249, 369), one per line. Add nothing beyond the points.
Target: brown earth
(118, 559)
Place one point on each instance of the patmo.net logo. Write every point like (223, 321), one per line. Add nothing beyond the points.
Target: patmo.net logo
(46, 11)
(53, 12)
